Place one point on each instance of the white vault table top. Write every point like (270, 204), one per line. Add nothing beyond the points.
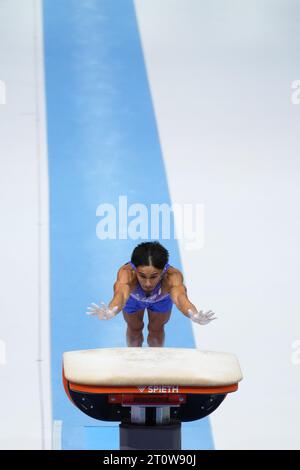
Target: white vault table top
(151, 366)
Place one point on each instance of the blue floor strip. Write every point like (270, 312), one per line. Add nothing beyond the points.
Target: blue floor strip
(102, 143)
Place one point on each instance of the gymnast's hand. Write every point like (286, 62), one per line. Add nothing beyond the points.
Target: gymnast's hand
(102, 312)
(200, 317)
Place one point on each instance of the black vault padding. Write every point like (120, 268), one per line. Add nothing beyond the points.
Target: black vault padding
(96, 406)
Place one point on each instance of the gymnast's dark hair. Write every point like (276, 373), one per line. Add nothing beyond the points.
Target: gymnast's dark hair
(150, 254)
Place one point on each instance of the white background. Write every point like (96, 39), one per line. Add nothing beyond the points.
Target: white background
(25, 402)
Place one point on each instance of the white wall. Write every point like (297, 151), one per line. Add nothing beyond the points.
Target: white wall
(220, 75)
(25, 404)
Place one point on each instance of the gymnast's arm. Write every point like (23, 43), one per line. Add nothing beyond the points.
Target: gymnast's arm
(121, 290)
(179, 296)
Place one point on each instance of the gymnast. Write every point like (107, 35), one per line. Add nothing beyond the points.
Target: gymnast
(149, 282)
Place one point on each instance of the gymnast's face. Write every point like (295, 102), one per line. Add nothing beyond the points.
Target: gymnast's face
(148, 277)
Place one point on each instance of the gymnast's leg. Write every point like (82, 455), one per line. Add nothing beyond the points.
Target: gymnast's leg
(135, 325)
(157, 320)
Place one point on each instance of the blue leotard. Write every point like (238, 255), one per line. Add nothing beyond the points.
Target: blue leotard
(156, 301)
